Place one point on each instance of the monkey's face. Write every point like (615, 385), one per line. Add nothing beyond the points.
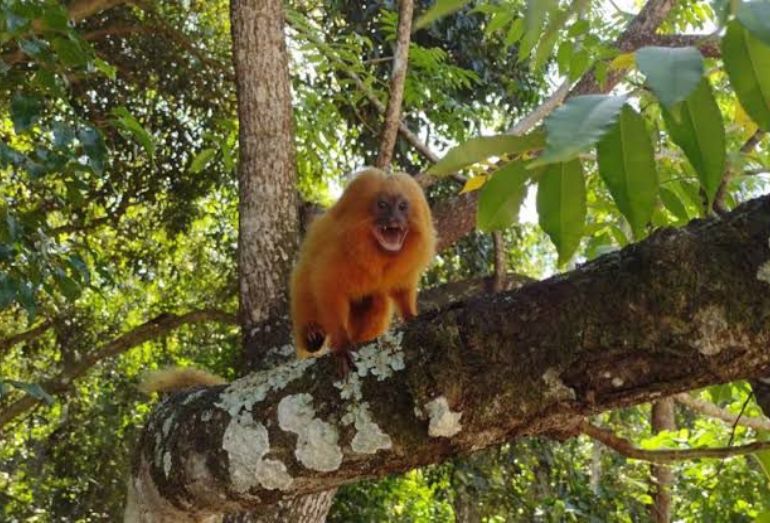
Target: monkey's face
(391, 220)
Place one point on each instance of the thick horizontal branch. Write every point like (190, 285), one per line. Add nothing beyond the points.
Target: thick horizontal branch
(626, 448)
(159, 326)
(681, 310)
(713, 411)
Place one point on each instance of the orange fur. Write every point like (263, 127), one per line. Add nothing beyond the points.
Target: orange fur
(345, 283)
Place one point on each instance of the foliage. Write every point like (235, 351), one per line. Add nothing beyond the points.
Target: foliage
(118, 205)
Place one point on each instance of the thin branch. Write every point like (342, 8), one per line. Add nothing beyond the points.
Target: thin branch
(155, 328)
(719, 199)
(21, 337)
(500, 256)
(709, 409)
(628, 449)
(541, 111)
(397, 81)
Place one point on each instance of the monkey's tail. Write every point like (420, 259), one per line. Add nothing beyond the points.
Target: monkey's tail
(172, 379)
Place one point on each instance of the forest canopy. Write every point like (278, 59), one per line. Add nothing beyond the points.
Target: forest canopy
(547, 135)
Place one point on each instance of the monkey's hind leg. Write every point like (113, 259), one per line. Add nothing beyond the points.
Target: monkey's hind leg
(369, 317)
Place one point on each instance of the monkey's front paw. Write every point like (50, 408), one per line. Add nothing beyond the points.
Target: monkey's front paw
(314, 336)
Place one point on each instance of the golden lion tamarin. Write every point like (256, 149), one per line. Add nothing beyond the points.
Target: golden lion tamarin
(363, 255)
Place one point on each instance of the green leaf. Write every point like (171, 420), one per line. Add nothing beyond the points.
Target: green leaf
(534, 18)
(700, 133)
(627, 166)
(672, 72)
(7, 290)
(33, 389)
(201, 160)
(755, 16)
(439, 9)
(105, 68)
(578, 125)
(501, 197)
(68, 287)
(69, 52)
(747, 62)
(125, 120)
(561, 206)
(25, 111)
(482, 147)
(93, 146)
(674, 205)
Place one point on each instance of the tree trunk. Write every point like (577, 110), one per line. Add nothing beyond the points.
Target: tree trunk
(680, 310)
(268, 204)
(662, 419)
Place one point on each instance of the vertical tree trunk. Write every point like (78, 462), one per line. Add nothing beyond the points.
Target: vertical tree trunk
(662, 419)
(268, 230)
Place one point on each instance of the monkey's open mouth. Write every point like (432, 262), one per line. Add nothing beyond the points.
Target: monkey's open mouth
(390, 237)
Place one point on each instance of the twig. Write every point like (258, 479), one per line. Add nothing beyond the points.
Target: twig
(626, 448)
(709, 409)
(397, 81)
(541, 111)
(27, 335)
(159, 326)
(500, 256)
(719, 198)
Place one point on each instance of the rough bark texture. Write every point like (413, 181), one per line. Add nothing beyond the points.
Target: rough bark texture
(268, 204)
(683, 309)
(268, 228)
(662, 503)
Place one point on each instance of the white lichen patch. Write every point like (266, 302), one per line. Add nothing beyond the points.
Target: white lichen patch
(555, 387)
(617, 382)
(317, 440)
(369, 437)
(443, 421)
(763, 273)
(167, 463)
(246, 443)
(382, 357)
(244, 393)
(712, 329)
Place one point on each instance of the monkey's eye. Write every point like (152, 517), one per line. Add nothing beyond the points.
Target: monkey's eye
(403, 206)
(382, 204)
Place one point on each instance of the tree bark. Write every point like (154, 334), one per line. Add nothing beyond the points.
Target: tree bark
(683, 309)
(268, 205)
(663, 476)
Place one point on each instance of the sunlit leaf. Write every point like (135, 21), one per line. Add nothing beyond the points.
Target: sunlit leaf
(747, 62)
(627, 165)
(700, 133)
(672, 72)
(474, 183)
(578, 125)
(437, 10)
(674, 205)
(561, 206)
(623, 61)
(201, 160)
(125, 120)
(480, 148)
(501, 197)
(534, 18)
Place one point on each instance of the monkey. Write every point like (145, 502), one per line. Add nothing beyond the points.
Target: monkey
(360, 260)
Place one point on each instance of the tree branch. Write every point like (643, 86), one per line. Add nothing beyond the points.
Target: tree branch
(397, 81)
(21, 337)
(626, 448)
(747, 147)
(713, 411)
(155, 328)
(549, 354)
